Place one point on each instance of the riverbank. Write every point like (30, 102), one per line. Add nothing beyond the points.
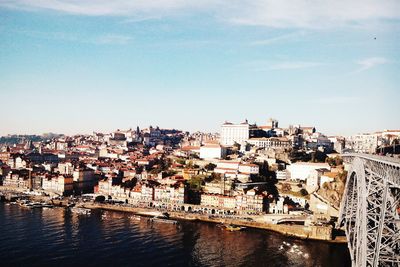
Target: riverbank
(318, 233)
(60, 237)
(314, 232)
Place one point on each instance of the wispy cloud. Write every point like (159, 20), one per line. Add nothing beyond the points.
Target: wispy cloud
(371, 62)
(278, 39)
(111, 8)
(270, 13)
(318, 14)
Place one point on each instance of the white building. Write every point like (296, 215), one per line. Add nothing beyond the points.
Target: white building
(277, 207)
(212, 151)
(235, 169)
(218, 201)
(169, 194)
(228, 164)
(248, 168)
(390, 133)
(62, 185)
(363, 143)
(300, 171)
(234, 133)
(272, 142)
(66, 168)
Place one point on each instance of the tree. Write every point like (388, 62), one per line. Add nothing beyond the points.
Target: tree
(168, 173)
(264, 170)
(165, 163)
(130, 183)
(210, 167)
(190, 164)
(195, 182)
(336, 161)
(343, 176)
(213, 177)
(265, 175)
(181, 161)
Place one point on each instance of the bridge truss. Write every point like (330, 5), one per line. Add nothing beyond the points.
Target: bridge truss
(369, 210)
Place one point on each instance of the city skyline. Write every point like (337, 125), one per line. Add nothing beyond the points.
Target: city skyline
(98, 66)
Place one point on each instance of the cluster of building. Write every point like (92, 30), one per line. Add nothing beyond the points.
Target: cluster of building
(223, 173)
(376, 142)
(272, 136)
(249, 202)
(76, 164)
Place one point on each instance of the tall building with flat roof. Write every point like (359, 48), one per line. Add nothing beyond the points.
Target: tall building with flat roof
(235, 133)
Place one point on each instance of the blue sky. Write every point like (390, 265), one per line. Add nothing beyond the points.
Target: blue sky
(81, 66)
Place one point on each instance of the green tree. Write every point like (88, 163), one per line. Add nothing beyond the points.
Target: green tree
(265, 175)
(181, 161)
(196, 182)
(210, 167)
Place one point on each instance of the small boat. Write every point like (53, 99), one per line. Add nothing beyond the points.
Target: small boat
(36, 205)
(233, 228)
(135, 217)
(162, 220)
(80, 211)
(25, 203)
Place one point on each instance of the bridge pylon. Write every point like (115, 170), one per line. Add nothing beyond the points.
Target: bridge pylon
(369, 210)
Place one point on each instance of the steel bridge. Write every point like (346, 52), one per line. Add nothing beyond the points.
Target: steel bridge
(369, 210)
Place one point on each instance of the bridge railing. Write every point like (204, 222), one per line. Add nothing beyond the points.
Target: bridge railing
(369, 210)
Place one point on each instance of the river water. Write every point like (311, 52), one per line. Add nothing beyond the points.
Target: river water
(58, 237)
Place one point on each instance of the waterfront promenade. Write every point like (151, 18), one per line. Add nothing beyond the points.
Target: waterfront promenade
(322, 233)
(313, 232)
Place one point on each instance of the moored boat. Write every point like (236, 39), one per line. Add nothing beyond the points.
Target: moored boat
(232, 227)
(135, 217)
(162, 220)
(36, 205)
(80, 211)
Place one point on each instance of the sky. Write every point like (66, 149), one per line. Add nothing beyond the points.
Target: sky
(78, 66)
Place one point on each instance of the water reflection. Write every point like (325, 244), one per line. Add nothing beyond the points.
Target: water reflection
(59, 237)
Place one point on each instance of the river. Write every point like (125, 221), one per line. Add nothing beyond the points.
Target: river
(49, 237)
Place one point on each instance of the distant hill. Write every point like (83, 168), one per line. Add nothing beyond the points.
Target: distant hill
(18, 139)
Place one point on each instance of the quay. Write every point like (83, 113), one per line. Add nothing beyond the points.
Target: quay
(312, 232)
(318, 233)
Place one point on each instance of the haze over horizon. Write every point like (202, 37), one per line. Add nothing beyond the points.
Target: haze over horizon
(82, 66)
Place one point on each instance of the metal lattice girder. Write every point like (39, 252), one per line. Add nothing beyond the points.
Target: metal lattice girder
(369, 212)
